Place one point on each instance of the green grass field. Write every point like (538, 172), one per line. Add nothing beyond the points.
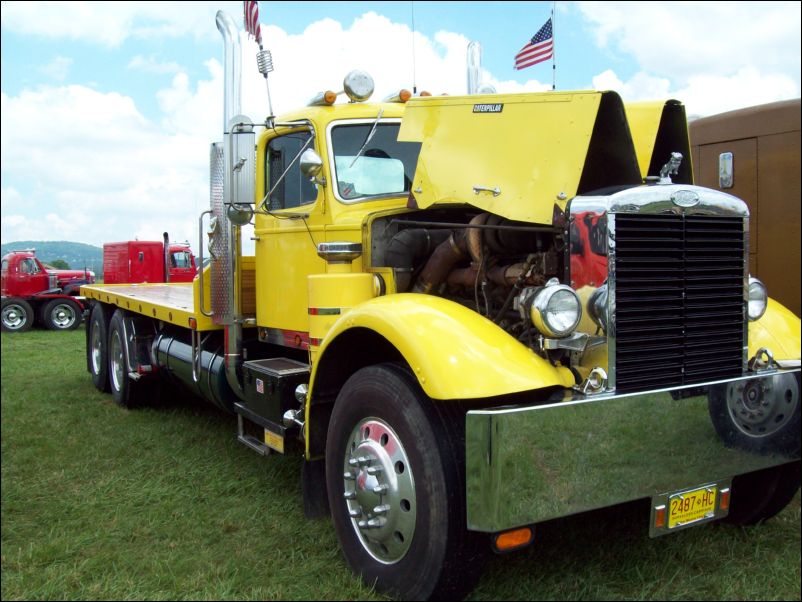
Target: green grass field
(163, 503)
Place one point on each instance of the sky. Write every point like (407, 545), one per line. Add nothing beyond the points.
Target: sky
(108, 108)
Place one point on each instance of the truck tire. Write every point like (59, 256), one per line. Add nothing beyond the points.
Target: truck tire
(125, 392)
(61, 314)
(758, 496)
(17, 315)
(759, 415)
(394, 473)
(98, 343)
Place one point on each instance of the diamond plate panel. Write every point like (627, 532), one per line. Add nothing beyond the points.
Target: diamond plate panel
(220, 241)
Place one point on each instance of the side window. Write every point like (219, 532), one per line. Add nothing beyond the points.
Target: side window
(28, 266)
(294, 189)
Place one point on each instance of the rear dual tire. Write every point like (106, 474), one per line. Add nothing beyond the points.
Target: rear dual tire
(61, 314)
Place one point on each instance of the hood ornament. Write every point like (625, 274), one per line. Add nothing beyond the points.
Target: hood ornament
(671, 168)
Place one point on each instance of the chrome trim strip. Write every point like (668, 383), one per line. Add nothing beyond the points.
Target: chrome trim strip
(528, 464)
(611, 315)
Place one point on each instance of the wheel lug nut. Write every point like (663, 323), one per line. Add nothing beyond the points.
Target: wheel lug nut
(380, 489)
(383, 509)
(349, 495)
(374, 470)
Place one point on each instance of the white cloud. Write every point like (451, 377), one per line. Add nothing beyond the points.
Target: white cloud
(703, 94)
(58, 69)
(685, 39)
(150, 64)
(111, 23)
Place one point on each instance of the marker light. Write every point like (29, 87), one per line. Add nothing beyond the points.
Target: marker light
(402, 95)
(513, 540)
(323, 99)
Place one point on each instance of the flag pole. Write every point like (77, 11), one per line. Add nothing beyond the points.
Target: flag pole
(553, 49)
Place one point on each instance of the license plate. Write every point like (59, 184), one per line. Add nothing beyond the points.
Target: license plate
(691, 506)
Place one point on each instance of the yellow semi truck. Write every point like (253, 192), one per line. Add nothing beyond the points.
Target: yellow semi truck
(472, 314)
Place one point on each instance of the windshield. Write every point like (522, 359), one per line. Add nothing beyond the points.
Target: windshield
(385, 167)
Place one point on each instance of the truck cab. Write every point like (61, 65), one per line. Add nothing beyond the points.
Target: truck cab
(471, 315)
(31, 292)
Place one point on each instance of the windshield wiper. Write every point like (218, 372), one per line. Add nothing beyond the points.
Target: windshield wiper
(369, 138)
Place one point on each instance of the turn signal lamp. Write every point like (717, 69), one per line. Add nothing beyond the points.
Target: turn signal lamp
(758, 299)
(323, 99)
(513, 540)
(724, 499)
(660, 516)
(402, 95)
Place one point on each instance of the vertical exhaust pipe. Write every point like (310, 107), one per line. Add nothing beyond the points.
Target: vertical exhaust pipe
(231, 109)
(474, 67)
(166, 256)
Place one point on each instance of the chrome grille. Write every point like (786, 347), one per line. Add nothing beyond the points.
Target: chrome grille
(679, 299)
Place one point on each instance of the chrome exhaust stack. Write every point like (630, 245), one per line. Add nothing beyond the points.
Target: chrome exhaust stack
(231, 192)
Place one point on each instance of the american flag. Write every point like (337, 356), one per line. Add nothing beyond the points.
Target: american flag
(538, 49)
(251, 9)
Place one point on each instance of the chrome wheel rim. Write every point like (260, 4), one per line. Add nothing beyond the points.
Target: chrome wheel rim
(63, 315)
(761, 407)
(116, 357)
(96, 349)
(379, 490)
(14, 316)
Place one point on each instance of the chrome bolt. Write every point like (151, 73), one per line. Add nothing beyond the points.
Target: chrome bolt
(380, 489)
(350, 495)
(355, 513)
(374, 470)
(383, 509)
(349, 476)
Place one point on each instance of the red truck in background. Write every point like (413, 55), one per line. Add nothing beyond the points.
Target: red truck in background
(32, 292)
(136, 261)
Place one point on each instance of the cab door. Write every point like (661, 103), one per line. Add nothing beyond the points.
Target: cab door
(289, 224)
(31, 277)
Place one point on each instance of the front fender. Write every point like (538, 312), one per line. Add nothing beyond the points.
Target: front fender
(454, 352)
(778, 331)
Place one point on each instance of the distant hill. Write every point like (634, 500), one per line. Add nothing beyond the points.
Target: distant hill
(78, 255)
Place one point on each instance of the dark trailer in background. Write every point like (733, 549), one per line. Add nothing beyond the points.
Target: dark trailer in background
(754, 154)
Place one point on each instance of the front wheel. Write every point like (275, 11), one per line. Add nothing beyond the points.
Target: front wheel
(61, 314)
(759, 496)
(17, 315)
(761, 415)
(394, 472)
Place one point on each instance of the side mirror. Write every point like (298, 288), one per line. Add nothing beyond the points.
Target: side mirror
(312, 165)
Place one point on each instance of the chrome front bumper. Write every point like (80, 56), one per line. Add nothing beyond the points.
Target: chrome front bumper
(527, 464)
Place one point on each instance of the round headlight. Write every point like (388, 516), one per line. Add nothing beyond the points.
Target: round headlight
(556, 310)
(758, 299)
